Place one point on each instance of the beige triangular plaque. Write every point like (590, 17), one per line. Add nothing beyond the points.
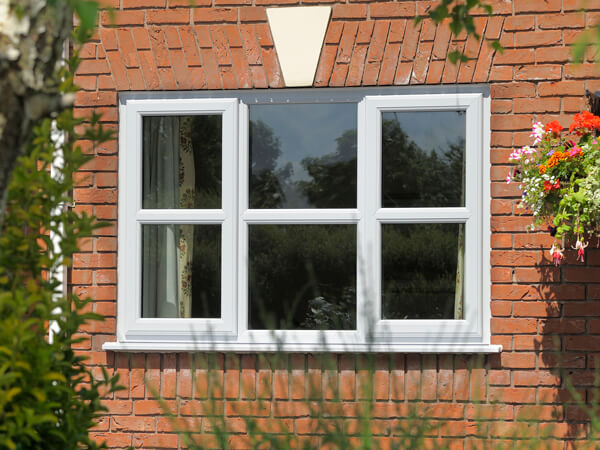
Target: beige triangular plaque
(298, 34)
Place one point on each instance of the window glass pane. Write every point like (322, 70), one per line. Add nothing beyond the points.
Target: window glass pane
(423, 155)
(423, 271)
(302, 276)
(303, 156)
(182, 162)
(181, 271)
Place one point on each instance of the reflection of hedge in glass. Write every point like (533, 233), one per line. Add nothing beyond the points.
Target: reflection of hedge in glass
(302, 276)
(420, 270)
(414, 177)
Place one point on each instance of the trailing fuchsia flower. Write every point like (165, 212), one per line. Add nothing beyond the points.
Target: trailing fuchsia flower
(557, 254)
(508, 178)
(580, 247)
(538, 132)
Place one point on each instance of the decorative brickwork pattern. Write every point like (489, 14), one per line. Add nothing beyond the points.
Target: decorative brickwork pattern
(542, 315)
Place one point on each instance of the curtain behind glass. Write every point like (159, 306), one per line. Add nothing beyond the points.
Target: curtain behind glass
(161, 190)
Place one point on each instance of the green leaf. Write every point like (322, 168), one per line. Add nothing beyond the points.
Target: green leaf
(86, 11)
(497, 46)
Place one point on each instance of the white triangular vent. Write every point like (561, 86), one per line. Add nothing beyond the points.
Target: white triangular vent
(298, 34)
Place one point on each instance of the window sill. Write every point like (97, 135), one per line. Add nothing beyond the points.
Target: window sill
(297, 348)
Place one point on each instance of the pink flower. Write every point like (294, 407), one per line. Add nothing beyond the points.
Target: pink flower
(508, 178)
(580, 247)
(575, 151)
(557, 254)
(537, 132)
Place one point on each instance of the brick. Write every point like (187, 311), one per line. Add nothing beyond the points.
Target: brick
(519, 23)
(389, 64)
(215, 15)
(410, 42)
(347, 43)
(513, 326)
(537, 38)
(250, 44)
(365, 29)
(122, 18)
(511, 122)
(168, 16)
(220, 45)
(357, 64)
(149, 70)
(349, 11)
(325, 65)
(190, 48)
(143, 4)
(391, 10)
(118, 70)
(554, 21)
(263, 33)
(515, 56)
(93, 67)
(209, 66)
(546, 105)
(334, 32)
(154, 440)
(421, 63)
(539, 72)
(512, 90)
(581, 71)
(442, 39)
(132, 424)
(112, 440)
(533, 6)
(172, 37)
(397, 28)
(253, 14)
(272, 68)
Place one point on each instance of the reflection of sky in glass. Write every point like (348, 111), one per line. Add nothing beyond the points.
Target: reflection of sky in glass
(431, 130)
(305, 130)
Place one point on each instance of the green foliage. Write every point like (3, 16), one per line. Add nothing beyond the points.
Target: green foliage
(461, 19)
(49, 398)
(589, 39)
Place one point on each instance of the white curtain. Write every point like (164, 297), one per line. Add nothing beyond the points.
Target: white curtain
(160, 242)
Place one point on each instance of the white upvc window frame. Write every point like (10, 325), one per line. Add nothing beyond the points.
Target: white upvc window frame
(231, 333)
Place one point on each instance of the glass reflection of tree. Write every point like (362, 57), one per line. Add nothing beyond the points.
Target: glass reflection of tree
(206, 135)
(302, 277)
(420, 261)
(266, 181)
(333, 176)
(206, 142)
(413, 177)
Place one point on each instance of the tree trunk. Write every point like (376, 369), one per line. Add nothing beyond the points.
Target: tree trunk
(32, 37)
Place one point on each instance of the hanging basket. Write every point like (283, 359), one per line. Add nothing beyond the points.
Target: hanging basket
(559, 176)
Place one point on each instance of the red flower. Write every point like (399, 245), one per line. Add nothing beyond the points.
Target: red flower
(548, 186)
(553, 127)
(584, 123)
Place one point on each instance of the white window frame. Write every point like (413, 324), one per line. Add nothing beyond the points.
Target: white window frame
(231, 333)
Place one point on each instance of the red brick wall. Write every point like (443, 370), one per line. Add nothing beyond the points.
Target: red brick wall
(541, 314)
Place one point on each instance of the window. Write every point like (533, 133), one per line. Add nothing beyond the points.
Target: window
(304, 220)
